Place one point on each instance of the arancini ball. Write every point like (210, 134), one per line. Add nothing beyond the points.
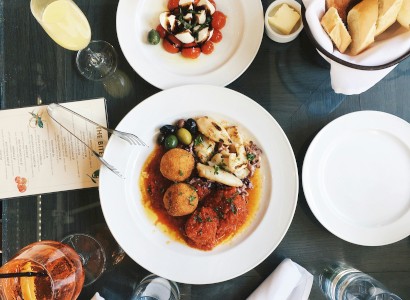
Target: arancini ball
(180, 199)
(177, 164)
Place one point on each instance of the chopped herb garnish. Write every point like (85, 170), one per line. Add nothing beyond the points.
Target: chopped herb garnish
(250, 156)
(209, 219)
(233, 208)
(198, 140)
(149, 190)
(180, 173)
(216, 169)
(220, 214)
(198, 219)
(191, 199)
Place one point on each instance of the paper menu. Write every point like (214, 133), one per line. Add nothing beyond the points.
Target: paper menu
(39, 156)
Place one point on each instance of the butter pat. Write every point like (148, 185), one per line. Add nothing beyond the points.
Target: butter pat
(284, 19)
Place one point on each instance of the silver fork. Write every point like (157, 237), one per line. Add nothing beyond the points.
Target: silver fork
(132, 139)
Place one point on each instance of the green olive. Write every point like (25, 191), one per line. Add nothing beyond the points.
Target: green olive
(153, 37)
(184, 136)
(171, 141)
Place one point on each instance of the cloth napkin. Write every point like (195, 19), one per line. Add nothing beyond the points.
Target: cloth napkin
(289, 281)
(97, 297)
(391, 44)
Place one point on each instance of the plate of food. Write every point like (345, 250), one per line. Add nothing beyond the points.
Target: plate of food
(215, 190)
(355, 178)
(198, 42)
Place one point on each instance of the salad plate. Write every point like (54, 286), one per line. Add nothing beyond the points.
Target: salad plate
(242, 36)
(356, 176)
(138, 234)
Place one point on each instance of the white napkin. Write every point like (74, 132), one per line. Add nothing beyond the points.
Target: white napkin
(391, 44)
(289, 281)
(97, 297)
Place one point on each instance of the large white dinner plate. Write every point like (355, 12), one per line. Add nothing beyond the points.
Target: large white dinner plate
(242, 36)
(356, 178)
(148, 245)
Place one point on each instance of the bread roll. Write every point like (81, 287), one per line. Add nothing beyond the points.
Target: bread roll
(342, 7)
(388, 11)
(404, 14)
(334, 27)
(361, 21)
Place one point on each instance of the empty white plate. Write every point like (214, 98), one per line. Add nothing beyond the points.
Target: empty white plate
(356, 178)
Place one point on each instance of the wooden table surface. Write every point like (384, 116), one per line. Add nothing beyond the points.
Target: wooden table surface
(291, 81)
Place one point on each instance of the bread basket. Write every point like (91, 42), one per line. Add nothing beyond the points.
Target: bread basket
(343, 62)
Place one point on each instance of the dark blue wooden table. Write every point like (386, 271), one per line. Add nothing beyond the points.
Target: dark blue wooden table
(291, 81)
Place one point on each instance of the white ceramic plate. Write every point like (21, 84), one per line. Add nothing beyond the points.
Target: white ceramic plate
(152, 248)
(356, 178)
(242, 36)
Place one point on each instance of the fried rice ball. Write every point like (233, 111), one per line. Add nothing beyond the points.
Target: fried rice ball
(180, 199)
(177, 164)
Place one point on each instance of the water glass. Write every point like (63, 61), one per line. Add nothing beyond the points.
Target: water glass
(154, 287)
(341, 282)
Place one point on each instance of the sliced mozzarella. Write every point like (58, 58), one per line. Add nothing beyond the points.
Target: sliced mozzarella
(202, 35)
(188, 16)
(185, 37)
(208, 5)
(185, 2)
(201, 17)
(167, 21)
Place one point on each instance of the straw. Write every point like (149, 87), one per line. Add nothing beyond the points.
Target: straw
(23, 274)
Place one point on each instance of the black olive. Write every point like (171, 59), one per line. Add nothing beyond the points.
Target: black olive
(160, 139)
(168, 129)
(190, 124)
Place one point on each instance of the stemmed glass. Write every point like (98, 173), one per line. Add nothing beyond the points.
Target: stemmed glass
(67, 25)
(42, 270)
(53, 270)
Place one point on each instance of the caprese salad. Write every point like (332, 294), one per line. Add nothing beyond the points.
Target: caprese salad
(190, 27)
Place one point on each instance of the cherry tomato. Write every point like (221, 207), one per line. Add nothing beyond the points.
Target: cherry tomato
(171, 44)
(162, 32)
(218, 20)
(172, 4)
(191, 50)
(207, 48)
(196, 2)
(216, 36)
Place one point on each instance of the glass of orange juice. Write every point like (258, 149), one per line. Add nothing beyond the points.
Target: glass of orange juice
(67, 25)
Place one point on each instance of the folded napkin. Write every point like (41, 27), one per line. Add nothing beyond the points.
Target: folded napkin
(289, 281)
(391, 44)
(97, 297)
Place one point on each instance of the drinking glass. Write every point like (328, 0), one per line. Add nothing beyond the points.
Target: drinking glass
(42, 270)
(154, 287)
(339, 281)
(67, 25)
(91, 253)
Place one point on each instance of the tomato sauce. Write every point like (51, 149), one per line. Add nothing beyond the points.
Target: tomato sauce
(221, 209)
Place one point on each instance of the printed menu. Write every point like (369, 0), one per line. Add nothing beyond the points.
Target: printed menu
(38, 156)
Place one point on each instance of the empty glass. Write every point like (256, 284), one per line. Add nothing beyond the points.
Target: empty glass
(341, 282)
(154, 287)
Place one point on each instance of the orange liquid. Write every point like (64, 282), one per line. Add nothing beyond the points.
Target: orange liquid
(65, 275)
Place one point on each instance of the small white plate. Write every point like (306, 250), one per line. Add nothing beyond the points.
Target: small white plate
(242, 36)
(356, 178)
(148, 245)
